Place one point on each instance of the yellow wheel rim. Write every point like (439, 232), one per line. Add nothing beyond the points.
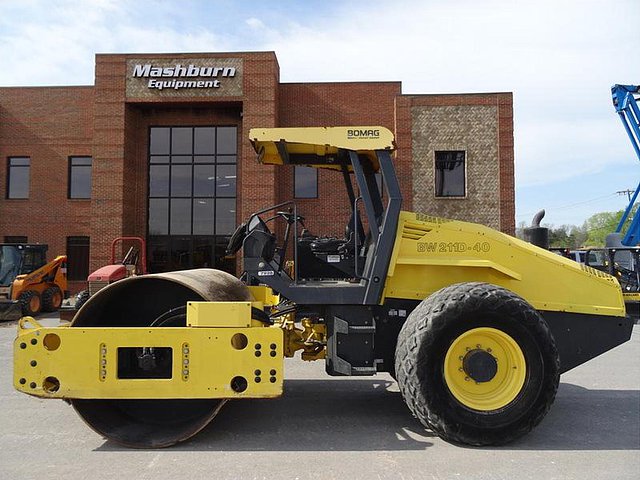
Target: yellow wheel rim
(34, 304)
(485, 369)
(56, 300)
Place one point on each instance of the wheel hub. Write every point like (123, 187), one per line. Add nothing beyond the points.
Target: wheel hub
(480, 365)
(484, 369)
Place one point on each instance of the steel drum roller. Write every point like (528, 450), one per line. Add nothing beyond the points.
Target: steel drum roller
(144, 301)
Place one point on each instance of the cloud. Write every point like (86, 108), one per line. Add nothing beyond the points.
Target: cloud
(255, 23)
(59, 49)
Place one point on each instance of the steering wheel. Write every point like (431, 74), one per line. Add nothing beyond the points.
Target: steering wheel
(291, 218)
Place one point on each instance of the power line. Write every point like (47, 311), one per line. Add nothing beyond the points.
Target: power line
(571, 205)
(627, 191)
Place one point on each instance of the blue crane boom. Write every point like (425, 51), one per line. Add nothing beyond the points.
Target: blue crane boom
(625, 101)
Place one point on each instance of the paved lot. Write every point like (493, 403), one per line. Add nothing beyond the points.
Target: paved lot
(329, 428)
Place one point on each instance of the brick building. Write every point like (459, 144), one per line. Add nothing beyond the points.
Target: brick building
(159, 148)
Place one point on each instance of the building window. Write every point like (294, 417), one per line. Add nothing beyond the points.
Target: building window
(450, 174)
(18, 177)
(192, 196)
(80, 177)
(15, 239)
(305, 182)
(77, 258)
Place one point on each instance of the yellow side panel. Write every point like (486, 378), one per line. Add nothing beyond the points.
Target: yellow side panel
(83, 363)
(264, 295)
(219, 314)
(431, 253)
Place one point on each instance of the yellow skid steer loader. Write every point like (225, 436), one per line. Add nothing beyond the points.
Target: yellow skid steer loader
(28, 283)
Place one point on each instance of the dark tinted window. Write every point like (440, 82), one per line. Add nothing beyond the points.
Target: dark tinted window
(159, 142)
(224, 262)
(80, 177)
(10, 263)
(158, 253)
(204, 180)
(180, 216)
(226, 181)
(450, 174)
(205, 159)
(203, 252)
(181, 159)
(204, 140)
(225, 216)
(305, 181)
(33, 259)
(181, 180)
(158, 216)
(227, 140)
(180, 254)
(181, 140)
(18, 177)
(77, 258)
(159, 181)
(192, 196)
(204, 216)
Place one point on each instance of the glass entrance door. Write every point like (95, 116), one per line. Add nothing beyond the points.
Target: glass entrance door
(192, 197)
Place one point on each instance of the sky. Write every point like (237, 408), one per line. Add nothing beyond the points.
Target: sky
(559, 58)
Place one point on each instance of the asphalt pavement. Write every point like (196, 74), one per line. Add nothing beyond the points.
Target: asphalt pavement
(338, 428)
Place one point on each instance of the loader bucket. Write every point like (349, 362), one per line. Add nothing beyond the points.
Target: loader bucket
(10, 310)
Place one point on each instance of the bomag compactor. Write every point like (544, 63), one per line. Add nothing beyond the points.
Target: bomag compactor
(475, 325)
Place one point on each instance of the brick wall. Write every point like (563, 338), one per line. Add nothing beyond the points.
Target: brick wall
(481, 125)
(472, 129)
(47, 124)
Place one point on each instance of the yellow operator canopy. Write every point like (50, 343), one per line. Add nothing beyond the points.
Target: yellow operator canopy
(319, 147)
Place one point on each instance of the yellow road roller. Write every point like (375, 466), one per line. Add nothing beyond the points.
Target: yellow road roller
(475, 325)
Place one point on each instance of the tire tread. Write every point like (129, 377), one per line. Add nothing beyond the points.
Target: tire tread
(426, 324)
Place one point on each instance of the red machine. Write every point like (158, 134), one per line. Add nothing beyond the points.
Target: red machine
(133, 263)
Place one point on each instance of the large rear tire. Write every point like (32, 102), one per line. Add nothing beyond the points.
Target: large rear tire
(31, 303)
(145, 301)
(81, 299)
(51, 299)
(477, 364)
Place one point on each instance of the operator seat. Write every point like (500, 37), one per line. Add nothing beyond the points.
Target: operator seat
(334, 245)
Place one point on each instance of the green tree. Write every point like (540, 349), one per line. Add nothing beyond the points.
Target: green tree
(567, 236)
(564, 236)
(599, 225)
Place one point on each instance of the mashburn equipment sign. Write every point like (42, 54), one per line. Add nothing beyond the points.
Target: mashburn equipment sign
(184, 77)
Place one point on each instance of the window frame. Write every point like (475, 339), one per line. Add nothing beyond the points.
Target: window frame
(8, 183)
(465, 178)
(220, 159)
(69, 175)
(317, 192)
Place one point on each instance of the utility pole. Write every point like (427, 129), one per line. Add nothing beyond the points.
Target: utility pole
(627, 192)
